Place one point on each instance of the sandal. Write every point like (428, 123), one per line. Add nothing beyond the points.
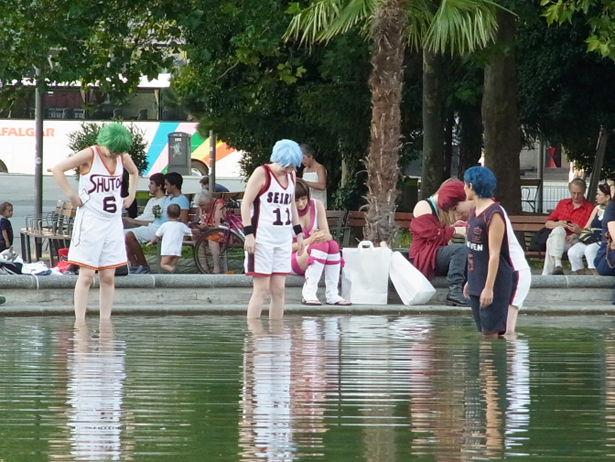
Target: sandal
(311, 302)
(341, 303)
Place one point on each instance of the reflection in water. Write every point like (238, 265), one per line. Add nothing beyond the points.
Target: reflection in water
(265, 429)
(609, 390)
(370, 371)
(498, 419)
(334, 388)
(94, 394)
(518, 413)
(286, 375)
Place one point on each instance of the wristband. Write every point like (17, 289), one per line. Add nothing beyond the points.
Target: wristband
(297, 229)
(248, 230)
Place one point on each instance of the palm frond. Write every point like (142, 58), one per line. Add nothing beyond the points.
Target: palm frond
(462, 26)
(324, 19)
(420, 15)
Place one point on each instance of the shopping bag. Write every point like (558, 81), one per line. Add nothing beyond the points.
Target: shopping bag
(411, 285)
(365, 276)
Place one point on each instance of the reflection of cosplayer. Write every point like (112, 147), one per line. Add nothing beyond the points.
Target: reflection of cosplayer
(432, 227)
(269, 217)
(323, 253)
(498, 274)
(97, 243)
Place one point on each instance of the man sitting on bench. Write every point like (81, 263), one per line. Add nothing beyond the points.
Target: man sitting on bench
(566, 221)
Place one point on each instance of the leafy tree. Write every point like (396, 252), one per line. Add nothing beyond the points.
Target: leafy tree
(251, 88)
(599, 16)
(459, 26)
(565, 93)
(112, 43)
(89, 131)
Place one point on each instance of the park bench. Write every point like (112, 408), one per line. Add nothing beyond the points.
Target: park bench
(336, 219)
(525, 226)
(355, 221)
(54, 229)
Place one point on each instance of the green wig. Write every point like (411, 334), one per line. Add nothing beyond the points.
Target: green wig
(115, 137)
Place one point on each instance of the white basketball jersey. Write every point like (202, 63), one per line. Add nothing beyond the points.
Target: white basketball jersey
(272, 213)
(515, 251)
(100, 190)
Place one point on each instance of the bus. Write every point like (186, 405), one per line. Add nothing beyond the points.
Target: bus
(151, 108)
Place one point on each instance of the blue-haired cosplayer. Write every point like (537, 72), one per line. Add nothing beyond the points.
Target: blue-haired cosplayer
(269, 216)
(499, 277)
(287, 153)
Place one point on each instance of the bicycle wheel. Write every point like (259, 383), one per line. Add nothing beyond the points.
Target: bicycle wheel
(222, 246)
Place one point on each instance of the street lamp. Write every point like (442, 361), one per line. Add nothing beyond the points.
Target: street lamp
(38, 135)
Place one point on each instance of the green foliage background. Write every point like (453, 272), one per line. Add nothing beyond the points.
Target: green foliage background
(88, 133)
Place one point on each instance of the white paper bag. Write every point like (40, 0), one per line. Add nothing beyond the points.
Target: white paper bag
(365, 276)
(411, 285)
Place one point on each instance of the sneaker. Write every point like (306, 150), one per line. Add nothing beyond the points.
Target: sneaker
(558, 270)
(143, 270)
(133, 269)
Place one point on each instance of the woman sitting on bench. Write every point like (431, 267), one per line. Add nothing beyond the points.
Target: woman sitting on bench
(591, 235)
(322, 254)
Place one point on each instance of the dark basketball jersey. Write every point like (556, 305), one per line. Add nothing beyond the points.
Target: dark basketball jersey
(478, 255)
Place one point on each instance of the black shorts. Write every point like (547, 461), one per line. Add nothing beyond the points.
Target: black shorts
(490, 319)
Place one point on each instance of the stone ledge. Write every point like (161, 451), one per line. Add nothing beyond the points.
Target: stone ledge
(224, 294)
(145, 281)
(295, 309)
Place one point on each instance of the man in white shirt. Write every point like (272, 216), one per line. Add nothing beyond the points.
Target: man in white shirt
(157, 193)
(143, 234)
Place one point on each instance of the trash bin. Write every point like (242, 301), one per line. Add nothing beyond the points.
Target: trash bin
(179, 153)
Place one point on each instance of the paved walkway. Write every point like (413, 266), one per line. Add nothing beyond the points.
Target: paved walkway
(157, 294)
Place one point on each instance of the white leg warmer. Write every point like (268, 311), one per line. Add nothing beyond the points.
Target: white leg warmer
(313, 273)
(332, 278)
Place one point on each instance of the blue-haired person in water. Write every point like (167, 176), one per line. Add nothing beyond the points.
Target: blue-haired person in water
(97, 243)
(270, 220)
(498, 275)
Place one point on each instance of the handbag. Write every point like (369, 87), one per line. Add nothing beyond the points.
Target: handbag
(412, 287)
(605, 257)
(590, 235)
(365, 276)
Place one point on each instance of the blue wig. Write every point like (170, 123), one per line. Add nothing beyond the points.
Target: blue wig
(115, 137)
(482, 180)
(286, 153)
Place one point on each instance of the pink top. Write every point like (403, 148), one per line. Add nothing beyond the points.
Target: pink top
(311, 209)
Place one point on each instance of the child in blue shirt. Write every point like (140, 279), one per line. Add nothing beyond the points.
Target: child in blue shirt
(6, 239)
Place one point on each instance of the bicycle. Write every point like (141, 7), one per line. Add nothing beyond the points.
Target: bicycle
(226, 240)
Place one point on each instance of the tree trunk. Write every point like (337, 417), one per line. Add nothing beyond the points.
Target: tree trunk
(385, 81)
(433, 125)
(470, 137)
(603, 137)
(500, 121)
(448, 146)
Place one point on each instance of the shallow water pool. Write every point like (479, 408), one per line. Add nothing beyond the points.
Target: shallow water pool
(337, 388)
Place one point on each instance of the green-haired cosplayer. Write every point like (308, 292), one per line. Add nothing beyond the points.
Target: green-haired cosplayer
(97, 243)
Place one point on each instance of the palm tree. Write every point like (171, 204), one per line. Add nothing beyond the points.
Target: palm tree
(458, 26)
